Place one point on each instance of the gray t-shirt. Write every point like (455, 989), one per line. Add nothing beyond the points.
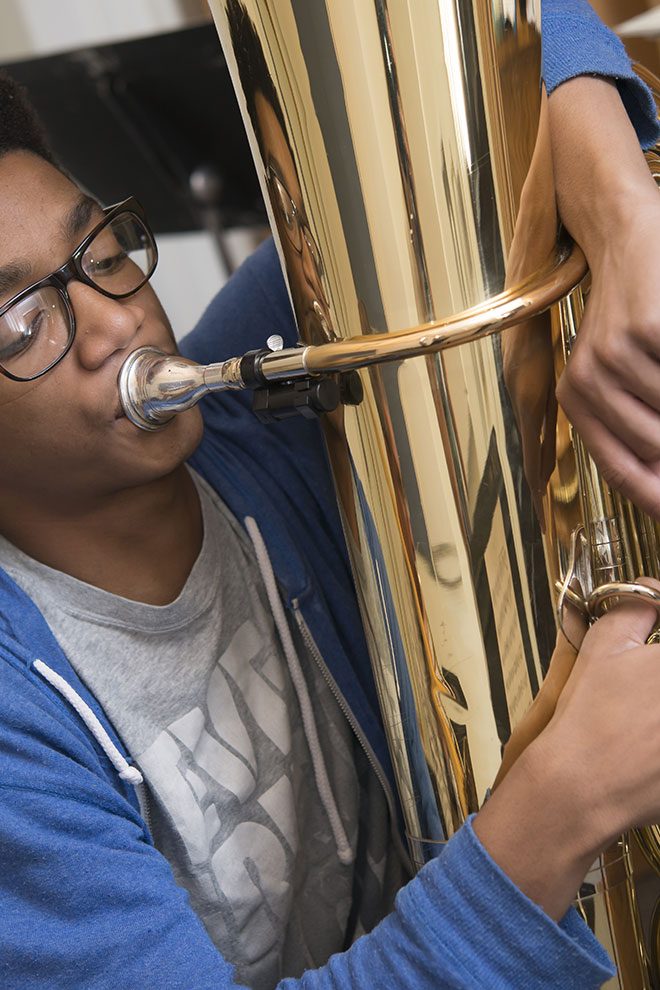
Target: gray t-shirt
(201, 694)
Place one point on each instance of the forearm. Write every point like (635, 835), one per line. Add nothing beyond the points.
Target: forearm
(577, 43)
(462, 923)
(530, 829)
(600, 171)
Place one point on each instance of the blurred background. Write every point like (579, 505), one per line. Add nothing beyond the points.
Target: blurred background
(137, 100)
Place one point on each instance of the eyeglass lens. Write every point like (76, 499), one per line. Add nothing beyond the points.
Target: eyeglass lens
(37, 329)
(296, 229)
(34, 332)
(120, 257)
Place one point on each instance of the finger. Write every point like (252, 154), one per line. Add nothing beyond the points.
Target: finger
(621, 468)
(628, 356)
(654, 584)
(624, 626)
(560, 668)
(633, 422)
(572, 630)
(648, 582)
(538, 716)
(639, 374)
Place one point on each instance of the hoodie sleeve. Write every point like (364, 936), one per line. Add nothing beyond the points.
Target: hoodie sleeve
(87, 902)
(462, 923)
(577, 43)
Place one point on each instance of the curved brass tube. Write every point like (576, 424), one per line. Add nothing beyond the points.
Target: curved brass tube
(154, 387)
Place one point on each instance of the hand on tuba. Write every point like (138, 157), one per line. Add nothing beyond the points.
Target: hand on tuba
(593, 771)
(542, 709)
(611, 387)
(609, 201)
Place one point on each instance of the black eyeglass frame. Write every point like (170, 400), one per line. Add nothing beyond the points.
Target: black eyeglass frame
(295, 220)
(72, 269)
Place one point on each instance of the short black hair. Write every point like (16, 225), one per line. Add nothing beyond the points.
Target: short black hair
(20, 126)
(252, 66)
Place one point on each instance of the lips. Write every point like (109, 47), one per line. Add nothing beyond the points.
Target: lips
(165, 350)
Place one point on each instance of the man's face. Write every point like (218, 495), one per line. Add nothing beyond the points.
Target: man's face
(63, 437)
(300, 249)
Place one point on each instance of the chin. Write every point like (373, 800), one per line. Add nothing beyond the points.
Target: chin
(161, 452)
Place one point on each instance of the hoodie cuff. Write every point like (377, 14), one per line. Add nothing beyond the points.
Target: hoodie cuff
(493, 929)
(577, 43)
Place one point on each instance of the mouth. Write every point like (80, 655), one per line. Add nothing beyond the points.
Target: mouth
(119, 413)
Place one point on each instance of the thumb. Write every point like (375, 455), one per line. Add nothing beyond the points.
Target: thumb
(626, 624)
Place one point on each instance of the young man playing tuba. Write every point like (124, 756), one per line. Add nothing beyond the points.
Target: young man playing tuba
(195, 787)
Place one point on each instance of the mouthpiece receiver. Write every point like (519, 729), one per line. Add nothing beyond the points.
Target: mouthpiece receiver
(154, 386)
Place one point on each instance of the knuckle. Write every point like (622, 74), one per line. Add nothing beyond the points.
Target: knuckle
(579, 375)
(646, 328)
(612, 352)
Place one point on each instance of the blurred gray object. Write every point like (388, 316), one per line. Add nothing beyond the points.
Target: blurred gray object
(646, 25)
(154, 116)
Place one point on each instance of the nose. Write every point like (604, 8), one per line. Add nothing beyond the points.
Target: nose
(103, 325)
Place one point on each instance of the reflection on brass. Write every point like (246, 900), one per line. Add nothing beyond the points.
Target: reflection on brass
(631, 955)
(402, 149)
(649, 842)
(620, 543)
(155, 387)
(655, 938)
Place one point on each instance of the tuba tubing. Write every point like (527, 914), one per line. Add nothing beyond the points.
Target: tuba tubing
(153, 386)
(403, 154)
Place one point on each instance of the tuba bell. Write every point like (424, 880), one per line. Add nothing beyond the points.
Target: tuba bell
(403, 151)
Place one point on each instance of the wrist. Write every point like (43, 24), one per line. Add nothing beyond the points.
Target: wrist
(568, 788)
(600, 170)
(616, 212)
(539, 830)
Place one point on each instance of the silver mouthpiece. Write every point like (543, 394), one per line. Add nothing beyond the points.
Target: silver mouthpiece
(154, 386)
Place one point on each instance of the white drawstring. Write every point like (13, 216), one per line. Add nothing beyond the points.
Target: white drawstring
(133, 775)
(344, 851)
(123, 768)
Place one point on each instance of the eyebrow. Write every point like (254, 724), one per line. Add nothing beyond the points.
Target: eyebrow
(74, 222)
(79, 216)
(13, 274)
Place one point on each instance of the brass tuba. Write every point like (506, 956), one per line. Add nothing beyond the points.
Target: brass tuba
(403, 151)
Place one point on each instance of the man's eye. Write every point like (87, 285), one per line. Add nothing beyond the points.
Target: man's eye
(109, 265)
(20, 342)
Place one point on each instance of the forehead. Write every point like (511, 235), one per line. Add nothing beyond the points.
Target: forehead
(275, 145)
(34, 199)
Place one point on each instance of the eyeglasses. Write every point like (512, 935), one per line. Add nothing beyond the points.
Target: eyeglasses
(38, 325)
(296, 227)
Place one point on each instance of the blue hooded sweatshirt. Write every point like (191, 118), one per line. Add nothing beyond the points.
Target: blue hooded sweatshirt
(87, 901)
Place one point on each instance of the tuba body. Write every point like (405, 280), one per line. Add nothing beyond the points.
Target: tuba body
(403, 152)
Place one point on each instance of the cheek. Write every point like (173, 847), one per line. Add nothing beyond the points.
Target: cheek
(39, 442)
(154, 312)
(16, 392)
(44, 435)
(50, 446)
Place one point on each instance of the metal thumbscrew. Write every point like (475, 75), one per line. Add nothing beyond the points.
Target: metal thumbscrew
(275, 342)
